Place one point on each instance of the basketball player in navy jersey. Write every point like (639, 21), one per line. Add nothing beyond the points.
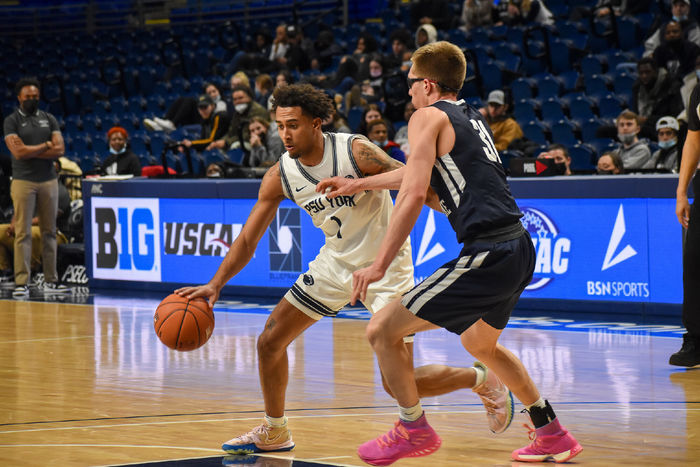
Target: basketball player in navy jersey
(351, 225)
(452, 151)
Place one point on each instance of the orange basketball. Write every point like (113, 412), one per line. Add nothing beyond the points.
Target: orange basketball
(183, 324)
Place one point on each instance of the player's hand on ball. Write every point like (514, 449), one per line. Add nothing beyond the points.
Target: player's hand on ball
(207, 291)
(337, 186)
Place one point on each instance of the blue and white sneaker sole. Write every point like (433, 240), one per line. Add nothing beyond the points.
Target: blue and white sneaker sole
(252, 448)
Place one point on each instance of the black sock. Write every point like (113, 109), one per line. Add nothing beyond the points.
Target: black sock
(542, 416)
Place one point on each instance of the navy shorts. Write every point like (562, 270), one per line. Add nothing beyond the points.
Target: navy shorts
(485, 281)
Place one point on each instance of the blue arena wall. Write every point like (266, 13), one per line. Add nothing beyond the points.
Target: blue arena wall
(601, 242)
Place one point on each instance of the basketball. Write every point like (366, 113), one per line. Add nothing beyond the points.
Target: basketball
(183, 324)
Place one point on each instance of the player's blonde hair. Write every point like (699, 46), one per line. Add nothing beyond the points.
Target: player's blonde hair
(443, 63)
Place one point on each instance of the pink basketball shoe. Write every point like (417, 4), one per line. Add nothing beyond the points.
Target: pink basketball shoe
(406, 439)
(552, 441)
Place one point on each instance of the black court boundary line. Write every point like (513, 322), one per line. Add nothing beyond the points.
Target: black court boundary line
(242, 412)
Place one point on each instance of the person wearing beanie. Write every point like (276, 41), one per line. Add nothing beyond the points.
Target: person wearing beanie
(121, 159)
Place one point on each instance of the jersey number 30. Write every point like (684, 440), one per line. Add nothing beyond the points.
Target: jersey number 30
(489, 148)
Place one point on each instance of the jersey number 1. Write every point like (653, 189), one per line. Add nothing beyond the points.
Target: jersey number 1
(489, 148)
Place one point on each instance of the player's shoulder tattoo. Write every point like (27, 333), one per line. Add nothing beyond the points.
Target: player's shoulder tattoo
(371, 159)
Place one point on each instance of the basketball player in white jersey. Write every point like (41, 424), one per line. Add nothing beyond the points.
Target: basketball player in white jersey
(352, 225)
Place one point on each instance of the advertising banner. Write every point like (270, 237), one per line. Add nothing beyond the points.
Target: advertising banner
(587, 249)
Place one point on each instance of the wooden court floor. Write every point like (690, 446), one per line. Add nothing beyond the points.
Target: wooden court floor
(90, 385)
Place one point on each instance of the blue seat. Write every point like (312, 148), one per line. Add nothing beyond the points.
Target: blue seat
(622, 83)
(536, 131)
(523, 88)
(610, 106)
(602, 145)
(629, 32)
(569, 80)
(139, 145)
(589, 128)
(492, 75)
(583, 158)
(549, 86)
(581, 108)
(564, 132)
(355, 117)
(560, 51)
(593, 65)
(552, 110)
(597, 85)
(526, 110)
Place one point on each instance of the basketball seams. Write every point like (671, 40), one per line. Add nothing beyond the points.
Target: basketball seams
(181, 336)
(199, 330)
(162, 321)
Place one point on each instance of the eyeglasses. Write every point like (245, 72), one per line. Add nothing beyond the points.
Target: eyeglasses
(412, 81)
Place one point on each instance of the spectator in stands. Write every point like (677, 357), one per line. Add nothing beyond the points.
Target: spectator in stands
(184, 111)
(401, 137)
(425, 34)
(265, 148)
(258, 55)
(376, 76)
(504, 128)
(326, 48)
(654, 94)
(239, 78)
(634, 152)
(70, 174)
(245, 109)
(676, 53)
(377, 132)
(336, 124)
(619, 8)
(278, 49)
(680, 10)
(610, 163)
(372, 112)
(667, 157)
(263, 88)
(689, 82)
(476, 13)
(7, 237)
(435, 12)
(121, 159)
(522, 13)
(400, 51)
(298, 52)
(214, 124)
(561, 157)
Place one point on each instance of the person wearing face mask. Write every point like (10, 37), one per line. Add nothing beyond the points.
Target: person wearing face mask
(561, 157)
(610, 164)
(121, 159)
(676, 53)
(667, 157)
(377, 132)
(654, 94)
(184, 111)
(244, 110)
(265, 148)
(35, 141)
(634, 152)
(680, 13)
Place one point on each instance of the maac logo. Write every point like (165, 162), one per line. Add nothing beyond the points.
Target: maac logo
(126, 239)
(285, 241)
(551, 246)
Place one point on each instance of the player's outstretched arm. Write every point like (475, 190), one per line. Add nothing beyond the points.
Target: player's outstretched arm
(381, 172)
(269, 198)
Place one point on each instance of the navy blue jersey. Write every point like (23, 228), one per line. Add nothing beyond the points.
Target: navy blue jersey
(470, 180)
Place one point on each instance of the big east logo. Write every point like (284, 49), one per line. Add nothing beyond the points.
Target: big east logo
(126, 239)
(551, 246)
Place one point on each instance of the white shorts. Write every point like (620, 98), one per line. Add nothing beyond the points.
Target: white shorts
(327, 286)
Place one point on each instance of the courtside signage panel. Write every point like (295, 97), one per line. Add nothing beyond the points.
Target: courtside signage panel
(126, 239)
(625, 250)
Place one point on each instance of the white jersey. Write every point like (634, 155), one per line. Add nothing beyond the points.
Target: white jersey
(354, 225)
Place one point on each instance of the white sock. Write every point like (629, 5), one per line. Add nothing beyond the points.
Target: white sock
(276, 421)
(480, 376)
(539, 403)
(410, 414)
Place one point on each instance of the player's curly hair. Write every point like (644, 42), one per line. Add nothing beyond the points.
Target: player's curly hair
(27, 81)
(313, 102)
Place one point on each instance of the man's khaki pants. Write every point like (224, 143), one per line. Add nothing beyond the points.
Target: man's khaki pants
(27, 197)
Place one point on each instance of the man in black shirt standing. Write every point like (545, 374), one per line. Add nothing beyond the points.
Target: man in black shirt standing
(689, 218)
(35, 141)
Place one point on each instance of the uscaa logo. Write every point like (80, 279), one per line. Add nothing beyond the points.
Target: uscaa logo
(552, 247)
